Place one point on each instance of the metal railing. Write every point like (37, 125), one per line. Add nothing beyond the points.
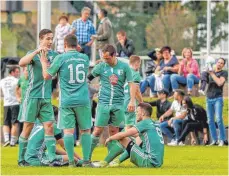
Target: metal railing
(199, 56)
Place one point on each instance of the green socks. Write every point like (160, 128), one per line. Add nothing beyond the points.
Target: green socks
(22, 148)
(50, 143)
(114, 149)
(94, 142)
(69, 146)
(86, 142)
(124, 156)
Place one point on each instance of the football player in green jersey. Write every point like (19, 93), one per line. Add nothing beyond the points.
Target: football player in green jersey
(110, 110)
(72, 68)
(37, 100)
(130, 117)
(150, 152)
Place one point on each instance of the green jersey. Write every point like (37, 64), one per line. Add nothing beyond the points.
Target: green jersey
(36, 145)
(72, 68)
(151, 136)
(23, 83)
(136, 80)
(38, 87)
(112, 80)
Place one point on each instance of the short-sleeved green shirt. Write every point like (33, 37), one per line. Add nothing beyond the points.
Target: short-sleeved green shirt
(36, 139)
(136, 80)
(72, 68)
(112, 80)
(23, 84)
(151, 136)
(38, 87)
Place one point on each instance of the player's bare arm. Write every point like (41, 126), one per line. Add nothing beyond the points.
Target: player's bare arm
(130, 132)
(131, 105)
(29, 57)
(44, 63)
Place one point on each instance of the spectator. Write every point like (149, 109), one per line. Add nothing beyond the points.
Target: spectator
(197, 121)
(105, 34)
(217, 78)
(209, 65)
(20, 93)
(125, 46)
(62, 29)
(84, 29)
(156, 57)
(11, 107)
(168, 66)
(176, 121)
(162, 103)
(188, 73)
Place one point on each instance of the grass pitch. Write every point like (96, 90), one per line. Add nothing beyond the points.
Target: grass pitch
(185, 160)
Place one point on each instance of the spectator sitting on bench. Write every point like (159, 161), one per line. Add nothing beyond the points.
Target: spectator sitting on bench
(169, 65)
(151, 66)
(176, 121)
(188, 73)
(197, 121)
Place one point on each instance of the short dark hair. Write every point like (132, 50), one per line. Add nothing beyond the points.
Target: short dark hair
(121, 32)
(70, 40)
(44, 32)
(180, 92)
(13, 69)
(63, 17)
(147, 108)
(189, 102)
(104, 12)
(134, 59)
(224, 60)
(110, 49)
(165, 48)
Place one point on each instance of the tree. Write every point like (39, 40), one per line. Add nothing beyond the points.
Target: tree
(172, 25)
(219, 18)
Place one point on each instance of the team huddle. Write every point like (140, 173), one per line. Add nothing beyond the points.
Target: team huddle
(119, 101)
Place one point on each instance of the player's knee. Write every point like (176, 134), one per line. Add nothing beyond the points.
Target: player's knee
(27, 128)
(48, 127)
(97, 131)
(85, 131)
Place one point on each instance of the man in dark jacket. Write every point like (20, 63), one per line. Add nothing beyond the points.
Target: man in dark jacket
(125, 47)
(162, 103)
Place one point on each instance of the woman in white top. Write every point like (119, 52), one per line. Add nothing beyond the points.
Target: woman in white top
(62, 29)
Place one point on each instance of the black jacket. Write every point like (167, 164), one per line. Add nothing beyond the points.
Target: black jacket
(161, 107)
(198, 114)
(128, 48)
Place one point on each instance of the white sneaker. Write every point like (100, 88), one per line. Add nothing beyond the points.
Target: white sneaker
(201, 92)
(173, 143)
(221, 143)
(181, 144)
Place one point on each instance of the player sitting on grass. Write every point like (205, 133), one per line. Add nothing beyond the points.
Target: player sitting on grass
(37, 156)
(130, 117)
(149, 153)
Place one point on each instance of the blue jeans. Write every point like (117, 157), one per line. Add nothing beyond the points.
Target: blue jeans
(148, 82)
(166, 81)
(189, 81)
(215, 108)
(177, 126)
(165, 130)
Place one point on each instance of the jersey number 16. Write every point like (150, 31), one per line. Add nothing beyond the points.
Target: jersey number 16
(80, 74)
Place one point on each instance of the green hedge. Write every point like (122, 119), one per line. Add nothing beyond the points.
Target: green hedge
(197, 100)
